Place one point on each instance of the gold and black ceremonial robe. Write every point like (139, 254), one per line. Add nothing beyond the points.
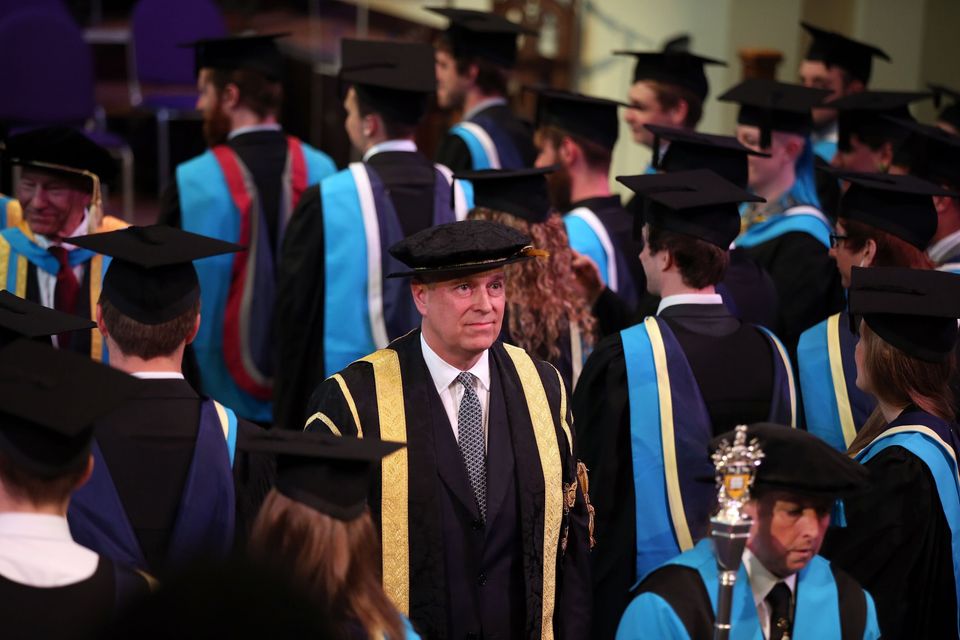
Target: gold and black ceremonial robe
(524, 572)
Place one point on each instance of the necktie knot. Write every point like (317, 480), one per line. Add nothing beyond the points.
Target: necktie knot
(466, 379)
(61, 254)
(779, 600)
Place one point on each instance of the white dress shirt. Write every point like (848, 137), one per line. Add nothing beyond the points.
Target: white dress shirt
(239, 131)
(761, 582)
(689, 298)
(158, 375)
(36, 550)
(484, 104)
(47, 281)
(444, 377)
(390, 145)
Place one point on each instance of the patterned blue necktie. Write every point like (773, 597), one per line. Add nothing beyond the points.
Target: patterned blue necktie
(471, 441)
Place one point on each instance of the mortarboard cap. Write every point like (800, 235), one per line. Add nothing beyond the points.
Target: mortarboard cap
(797, 461)
(592, 119)
(482, 34)
(151, 278)
(901, 205)
(836, 50)
(674, 65)
(863, 114)
(696, 203)
(461, 248)
(950, 114)
(21, 318)
(724, 155)
(49, 399)
(62, 149)
(394, 78)
(915, 310)
(254, 52)
(775, 106)
(522, 193)
(329, 473)
(930, 153)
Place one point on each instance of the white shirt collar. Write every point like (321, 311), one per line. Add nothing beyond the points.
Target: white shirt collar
(239, 131)
(158, 375)
(444, 374)
(390, 145)
(829, 133)
(484, 104)
(761, 580)
(944, 247)
(81, 230)
(34, 525)
(689, 298)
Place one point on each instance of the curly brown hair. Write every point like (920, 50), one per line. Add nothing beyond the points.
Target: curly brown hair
(542, 297)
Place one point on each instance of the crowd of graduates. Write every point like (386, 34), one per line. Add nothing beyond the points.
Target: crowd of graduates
(476, 396)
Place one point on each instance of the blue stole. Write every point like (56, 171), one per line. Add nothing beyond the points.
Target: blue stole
(940, 459)
(207, 208)
(826, 149)
(16, 250)
(834, 408)
(588, 235)
(668, 440)
(205, 520)
(787, 222)
(489, 146)
(817, 613)
(363, 310)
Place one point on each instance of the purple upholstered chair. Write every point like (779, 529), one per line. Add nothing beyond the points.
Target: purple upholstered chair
(48, 78)
(163, 77)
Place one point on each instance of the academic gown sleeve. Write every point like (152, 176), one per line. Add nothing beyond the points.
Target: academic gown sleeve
(299, 311)
(601, 412)
(327, 405)
(454, 154)
(807, 284)
(254, 474)
(897, 546)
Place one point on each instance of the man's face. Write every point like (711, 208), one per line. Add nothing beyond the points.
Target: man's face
(451, 86)
(650, 263)
(787, 530)
(216, 123)
(763, 171)
(354, 121)
(461, 316)
(646, 109)
(558, 182)
(52, 205)
(816, 75)
(860, 157)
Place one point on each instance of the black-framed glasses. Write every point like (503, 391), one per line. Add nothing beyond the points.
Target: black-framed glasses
(836, 238)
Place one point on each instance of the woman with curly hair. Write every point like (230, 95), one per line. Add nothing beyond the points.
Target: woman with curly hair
(315, 528)
(884, 221)
(546, 313)
(902, 535)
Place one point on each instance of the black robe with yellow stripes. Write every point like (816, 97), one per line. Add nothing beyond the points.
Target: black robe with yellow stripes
(523, 573)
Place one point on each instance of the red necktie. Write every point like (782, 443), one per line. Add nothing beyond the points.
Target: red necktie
(66, 292)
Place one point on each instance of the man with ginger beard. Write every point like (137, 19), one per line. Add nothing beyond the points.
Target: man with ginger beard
(577, 134)
(243, 189)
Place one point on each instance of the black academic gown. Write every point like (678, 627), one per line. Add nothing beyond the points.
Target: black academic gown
(410, 178)
(78, 611)
(731, 362)
(453, 151)
(470, 578)
(806, 280)
(148, 445)
(897, 542)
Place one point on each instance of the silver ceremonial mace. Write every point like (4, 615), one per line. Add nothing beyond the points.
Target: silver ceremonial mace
(736, 466)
